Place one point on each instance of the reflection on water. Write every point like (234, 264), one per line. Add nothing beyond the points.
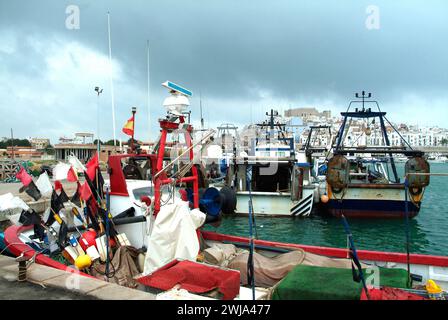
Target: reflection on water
(428, 230)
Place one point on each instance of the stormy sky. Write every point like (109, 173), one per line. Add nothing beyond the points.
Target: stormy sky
(242, 57)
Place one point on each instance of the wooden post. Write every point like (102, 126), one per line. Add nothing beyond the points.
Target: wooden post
(134, 111)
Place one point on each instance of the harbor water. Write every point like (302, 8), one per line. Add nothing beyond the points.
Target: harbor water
(429, 230)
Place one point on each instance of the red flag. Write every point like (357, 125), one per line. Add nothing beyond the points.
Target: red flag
(72, 175)
(24, 177)
(86, 193)
(57, 185)
(129, 127)
(92, 165)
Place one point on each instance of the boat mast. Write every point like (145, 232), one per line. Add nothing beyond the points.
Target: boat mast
(200, 108)
(148, 91)
(392, 161)
(111, 79)
(383, 129)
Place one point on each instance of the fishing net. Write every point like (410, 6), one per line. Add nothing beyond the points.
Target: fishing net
(321, 283)
(60, 258)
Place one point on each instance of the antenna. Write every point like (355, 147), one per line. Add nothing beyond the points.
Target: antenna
(111, 80)
(148, 96)
(200, 108)
(363, 97)
(177, 103)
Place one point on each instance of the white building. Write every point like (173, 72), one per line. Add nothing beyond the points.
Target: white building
(360, 133)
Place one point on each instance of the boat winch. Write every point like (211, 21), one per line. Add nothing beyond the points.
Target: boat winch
(210, 202)
(338, 173)
(229, 200)
(417, 171)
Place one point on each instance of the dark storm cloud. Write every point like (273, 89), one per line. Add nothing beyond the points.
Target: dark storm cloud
(237, 53)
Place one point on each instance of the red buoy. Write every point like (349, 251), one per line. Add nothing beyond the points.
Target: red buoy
(88, 239)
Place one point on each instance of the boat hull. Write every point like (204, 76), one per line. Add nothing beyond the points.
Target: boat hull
(427, 266)
(371, 201)
(371, 209)
(275, 204)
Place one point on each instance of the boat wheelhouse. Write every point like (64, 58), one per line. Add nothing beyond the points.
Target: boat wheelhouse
(272, 172)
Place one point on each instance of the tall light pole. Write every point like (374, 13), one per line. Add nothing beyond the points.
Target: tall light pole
(148, 92)
(111, 79)
(98, 90)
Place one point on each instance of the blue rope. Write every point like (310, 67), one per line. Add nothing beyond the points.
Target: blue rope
(107, 229)
(407, 227)
(354, 253)
(250, 262)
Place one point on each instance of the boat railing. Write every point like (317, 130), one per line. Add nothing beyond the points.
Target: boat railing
(360, 176)
(436, 174)
(204, 139)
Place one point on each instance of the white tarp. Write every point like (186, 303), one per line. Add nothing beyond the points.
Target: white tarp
(173, 235)
(43, 183)
(11, 205)
(60, 171)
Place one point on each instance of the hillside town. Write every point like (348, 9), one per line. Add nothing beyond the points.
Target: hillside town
(362, 133)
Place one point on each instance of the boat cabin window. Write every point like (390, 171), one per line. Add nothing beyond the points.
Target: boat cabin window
(146, 191)
(136, 168)
(281, 154)
(371, 172)
(271, 183)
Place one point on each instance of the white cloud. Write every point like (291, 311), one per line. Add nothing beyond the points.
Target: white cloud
(58, 99)
(47, 89)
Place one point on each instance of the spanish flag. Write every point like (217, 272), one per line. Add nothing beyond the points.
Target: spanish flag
(129, 127)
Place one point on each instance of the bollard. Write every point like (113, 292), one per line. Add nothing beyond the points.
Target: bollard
(23, 264)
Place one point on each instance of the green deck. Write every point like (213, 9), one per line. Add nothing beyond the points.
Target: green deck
(320, 283)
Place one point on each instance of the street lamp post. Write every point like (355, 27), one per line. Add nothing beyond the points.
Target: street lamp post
(98, 90)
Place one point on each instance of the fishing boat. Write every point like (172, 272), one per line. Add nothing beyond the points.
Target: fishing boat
(318, 149)
(437, 158)
(362, 180)
(209, 265)
(277, 175)
(322, 263)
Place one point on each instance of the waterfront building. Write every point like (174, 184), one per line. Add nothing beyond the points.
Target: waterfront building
(39, 143)
(82, 146)
(431, 137)
(24, 153)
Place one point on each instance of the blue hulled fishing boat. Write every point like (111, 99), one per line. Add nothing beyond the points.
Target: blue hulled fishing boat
(362, 180)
